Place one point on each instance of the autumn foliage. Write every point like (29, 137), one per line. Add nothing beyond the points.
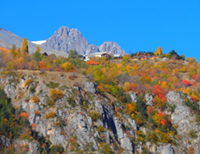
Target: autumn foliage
(56, 94)
(24, 114)
(186, 82)
(34, 126)
(92, 62)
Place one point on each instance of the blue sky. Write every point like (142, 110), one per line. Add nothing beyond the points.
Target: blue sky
(135, 25)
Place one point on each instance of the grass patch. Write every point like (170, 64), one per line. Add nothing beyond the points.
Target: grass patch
(53, 85)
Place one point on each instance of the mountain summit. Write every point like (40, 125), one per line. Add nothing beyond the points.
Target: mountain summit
(65, 39)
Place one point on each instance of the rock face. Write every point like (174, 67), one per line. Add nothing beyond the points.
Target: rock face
(185, 120)
(66, 39)
(166, 149)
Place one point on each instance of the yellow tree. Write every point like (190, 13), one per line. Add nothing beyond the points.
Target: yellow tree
(158, 51)
(25, 46)
(67, 66)
(38, 49)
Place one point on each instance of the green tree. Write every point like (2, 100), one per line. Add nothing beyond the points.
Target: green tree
(37, 55)
(73, 54)
(141, 106)
(13, 51)
(25, 46)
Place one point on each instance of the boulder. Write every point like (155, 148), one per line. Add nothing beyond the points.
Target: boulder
(91, 87)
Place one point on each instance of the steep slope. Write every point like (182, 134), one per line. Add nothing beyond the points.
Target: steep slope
(7, 39)
(71, 115)
(65, 39)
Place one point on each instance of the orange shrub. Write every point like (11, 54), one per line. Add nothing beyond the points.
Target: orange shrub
(24, 114)
(91, 62)
(194, 98)
(34, 126)
(37, 112)
(150, 110)
(163, 121)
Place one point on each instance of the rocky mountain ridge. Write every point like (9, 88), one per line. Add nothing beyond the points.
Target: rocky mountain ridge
(65, 39)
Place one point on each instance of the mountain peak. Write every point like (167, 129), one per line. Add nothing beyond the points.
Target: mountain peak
(65, 39)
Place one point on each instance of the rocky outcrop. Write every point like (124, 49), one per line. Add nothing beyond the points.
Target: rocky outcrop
(123, 139)
(134, 96)
(91, 87)
(166, 149)
(149, 99)
(185, 120)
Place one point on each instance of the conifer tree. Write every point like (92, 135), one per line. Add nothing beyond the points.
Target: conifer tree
(37, 55)
(25, 46)
(13, 51)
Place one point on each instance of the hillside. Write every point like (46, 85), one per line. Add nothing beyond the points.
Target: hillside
(137, 104)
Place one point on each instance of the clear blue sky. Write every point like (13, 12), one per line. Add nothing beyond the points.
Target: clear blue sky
(135, 25)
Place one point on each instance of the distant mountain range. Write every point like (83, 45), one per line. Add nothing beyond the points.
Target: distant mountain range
(63, 40)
